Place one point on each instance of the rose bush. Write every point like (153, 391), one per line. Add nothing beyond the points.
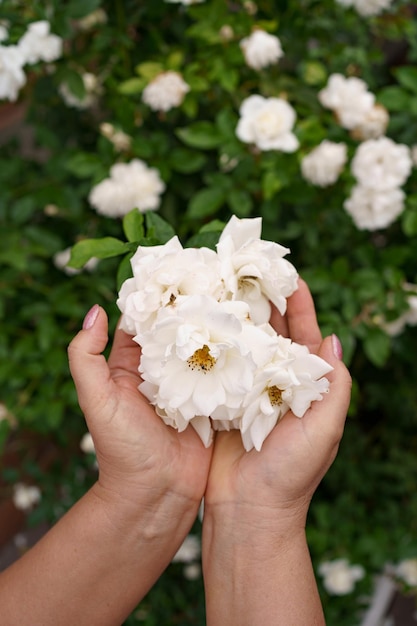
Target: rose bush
(142, 121)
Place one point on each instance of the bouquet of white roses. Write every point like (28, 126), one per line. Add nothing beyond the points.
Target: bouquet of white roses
(209, 356)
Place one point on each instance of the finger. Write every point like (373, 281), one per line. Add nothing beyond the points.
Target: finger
(125, 354)
(88, 366)
(329, 414)
(301, 316)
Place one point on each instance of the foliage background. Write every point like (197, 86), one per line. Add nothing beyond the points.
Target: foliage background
(366, 508)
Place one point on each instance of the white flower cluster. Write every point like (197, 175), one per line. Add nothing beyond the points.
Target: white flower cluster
(267, 123)
(380, 167)
(166, 91)
(339, 577)
(408, 318)
(131, 185)
(261, 49)
(209, 356)
(324, 163)
(25, 496)
(367, 8)
(36, 44)
(189, 553)
(354, 106)
(406, 570)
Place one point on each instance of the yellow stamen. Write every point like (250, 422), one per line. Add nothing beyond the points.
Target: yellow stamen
(275, 395)
(201, 360)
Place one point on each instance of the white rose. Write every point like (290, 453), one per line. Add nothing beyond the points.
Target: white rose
(267, 123)
(349, 98)
(372, 209)
(290, 378)
(131, 185)
(37, 44)
(165, 91)
(261, 49)
(408, 318)
(161, 274)
(381, 164)
(339, 577)
(87, 444)
(323, 165)
(12, 76)
(196, 360)
(254, 270)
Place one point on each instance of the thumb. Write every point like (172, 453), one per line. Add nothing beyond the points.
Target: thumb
(332, 410)
(88, 366)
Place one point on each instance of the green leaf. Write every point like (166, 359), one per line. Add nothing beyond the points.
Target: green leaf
(132, 86)
(149, 69)
(103, 248)
(203, 135)
(377, 345)
(206, 202)
(240, 202)
(124, 271)
(394, 98)
(187, 161)
(271, 184)
(133, 225)
(407, 77)
(158, 228)
(80, 8)
(409, 223)
(84, 165)
(203, 240)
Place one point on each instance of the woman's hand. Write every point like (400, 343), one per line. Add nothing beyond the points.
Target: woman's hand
(256, 563)
(282, 477)
(137, 453)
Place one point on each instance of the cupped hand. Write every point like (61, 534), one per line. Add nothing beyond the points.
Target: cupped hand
(136, 451)
(281, 479)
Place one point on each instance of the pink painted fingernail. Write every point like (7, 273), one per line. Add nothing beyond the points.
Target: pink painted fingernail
(337, 347)
(91, 317)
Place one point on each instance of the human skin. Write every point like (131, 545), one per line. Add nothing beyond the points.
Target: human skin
(256, 563)
(95, 565)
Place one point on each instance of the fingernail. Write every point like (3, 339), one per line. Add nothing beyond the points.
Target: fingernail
(91, 317)
(337, 347)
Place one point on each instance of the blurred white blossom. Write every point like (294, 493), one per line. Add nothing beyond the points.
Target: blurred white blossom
(99, 16)
(189, 551)
(261, 49)
(87, 444)
(339, 577)
(165, 91)
(130, 185)
(12, 75)
(120, 140)
(406, 570)
(25, 497)
(93, 89)
(62, 258)
(348, 98)
(38, 44)
(408, 318)
(372, 209)
(373, 125)
(267, 123)
(381, 164)
(367, 8)
(186, 2)
(324, 163)
(4, 33)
